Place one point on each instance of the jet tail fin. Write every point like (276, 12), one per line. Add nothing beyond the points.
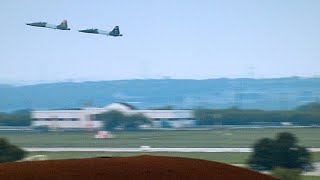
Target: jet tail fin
(64, 25)
(116, 31)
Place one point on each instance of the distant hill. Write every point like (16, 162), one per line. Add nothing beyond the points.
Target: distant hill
(281, 93)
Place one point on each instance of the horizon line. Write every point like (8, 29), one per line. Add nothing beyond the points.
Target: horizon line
(40, 82)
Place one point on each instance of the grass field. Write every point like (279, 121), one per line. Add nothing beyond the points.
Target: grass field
(308, 137)
(310, 178)
(230, 158)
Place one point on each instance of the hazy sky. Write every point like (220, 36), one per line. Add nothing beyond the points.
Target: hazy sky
(177, 39)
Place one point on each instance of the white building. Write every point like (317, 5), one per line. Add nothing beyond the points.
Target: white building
(85, 118)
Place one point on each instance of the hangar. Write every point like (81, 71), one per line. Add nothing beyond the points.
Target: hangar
(86, 118)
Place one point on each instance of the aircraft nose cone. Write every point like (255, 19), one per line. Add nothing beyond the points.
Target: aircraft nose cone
(31, 24)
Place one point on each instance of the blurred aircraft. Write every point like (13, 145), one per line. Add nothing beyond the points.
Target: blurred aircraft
(62, 26)
(115, 32)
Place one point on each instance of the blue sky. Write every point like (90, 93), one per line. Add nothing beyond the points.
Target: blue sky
(177, 39)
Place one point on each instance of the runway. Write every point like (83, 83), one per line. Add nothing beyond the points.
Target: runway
(145, 149)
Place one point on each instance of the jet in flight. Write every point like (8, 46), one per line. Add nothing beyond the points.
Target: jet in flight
(115, 32)
(62, 26)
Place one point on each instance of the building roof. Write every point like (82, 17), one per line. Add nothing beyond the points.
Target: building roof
(119, 106)
(128, 105)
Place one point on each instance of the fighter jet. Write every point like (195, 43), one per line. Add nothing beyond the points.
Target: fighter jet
(62, 26)
(115, 32)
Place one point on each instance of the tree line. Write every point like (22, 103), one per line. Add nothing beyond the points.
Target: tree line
(16, 118)
(308, 114)
(304, 115)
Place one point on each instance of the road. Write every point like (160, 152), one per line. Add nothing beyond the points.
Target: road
(315, 172)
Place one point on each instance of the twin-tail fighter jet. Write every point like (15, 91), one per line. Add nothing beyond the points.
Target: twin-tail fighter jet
(62, 26)
(115, 32)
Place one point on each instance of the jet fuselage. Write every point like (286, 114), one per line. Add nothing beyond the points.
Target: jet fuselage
(115, 32)
(62, 26)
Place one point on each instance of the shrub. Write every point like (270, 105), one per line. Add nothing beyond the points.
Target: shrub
(281, 152)
(9, 152)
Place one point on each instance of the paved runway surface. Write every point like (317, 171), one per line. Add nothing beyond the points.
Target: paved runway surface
(145, 149)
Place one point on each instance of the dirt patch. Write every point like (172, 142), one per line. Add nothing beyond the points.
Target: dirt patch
(136, 167)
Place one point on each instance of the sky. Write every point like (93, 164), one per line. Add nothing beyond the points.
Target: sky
(180, 39)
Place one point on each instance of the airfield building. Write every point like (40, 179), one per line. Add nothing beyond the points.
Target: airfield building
(86, 118)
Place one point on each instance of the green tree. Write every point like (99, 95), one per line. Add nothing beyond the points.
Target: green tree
(263, 150)
(204, 116)
(111, 119)
(133, 121)
(281, 152)
(9, 152)
(17, 118)
(114, 119)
